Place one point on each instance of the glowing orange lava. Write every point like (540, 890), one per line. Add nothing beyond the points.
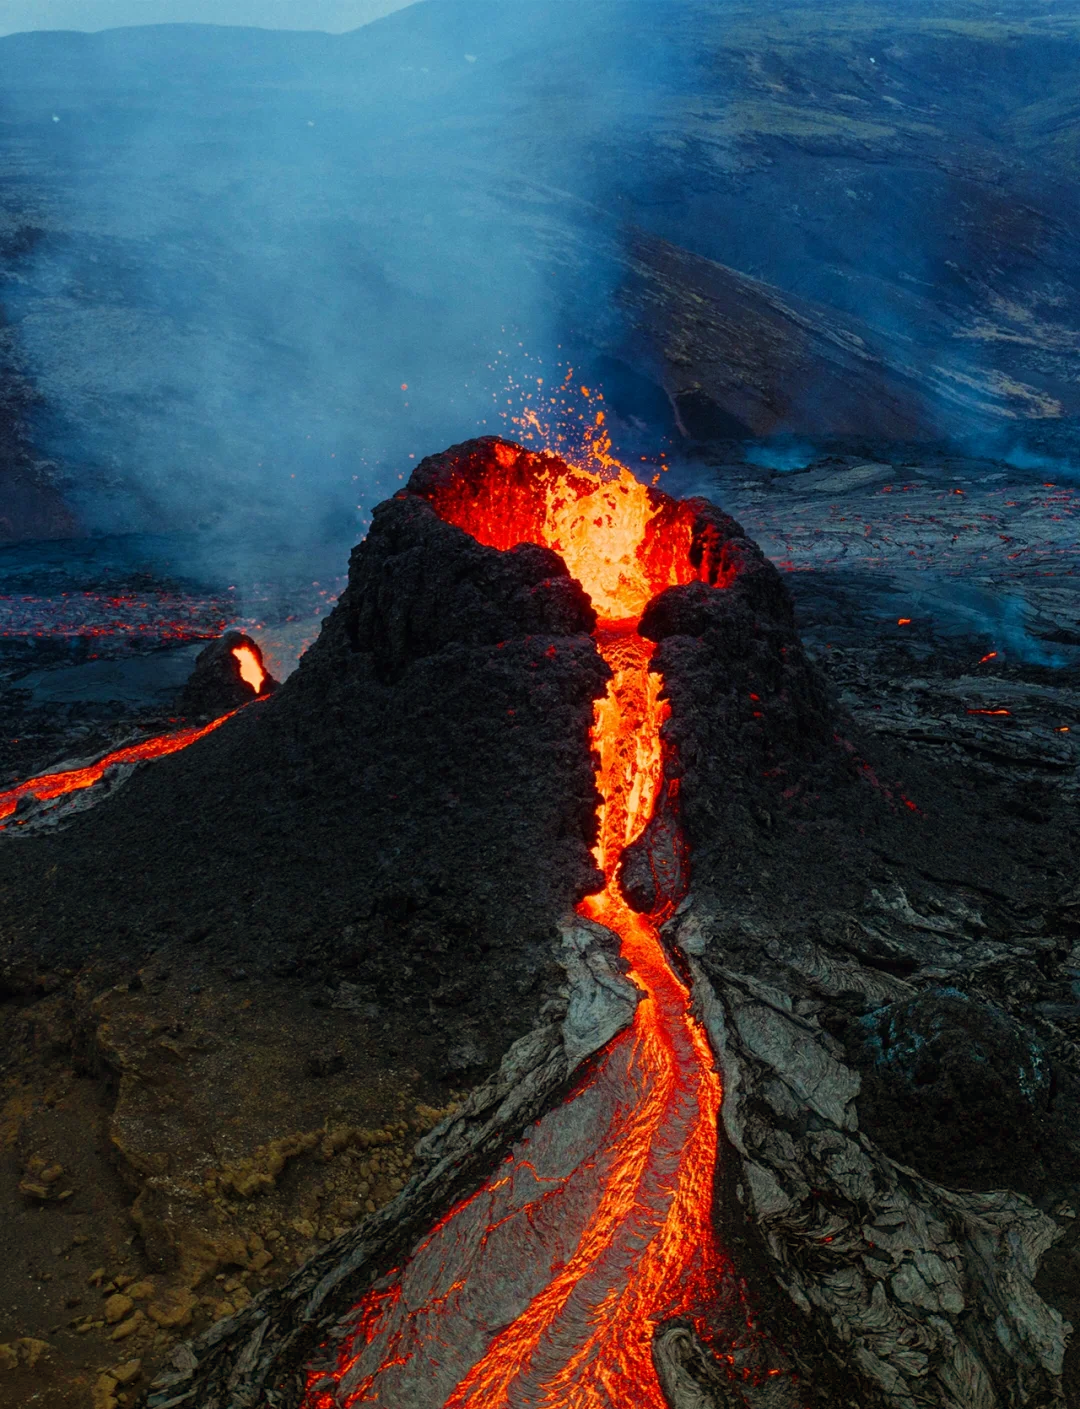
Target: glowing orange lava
(47, 786)
(622, 540)
(251, 669)
(646, 1249)
(51, 785)
(614, 1366)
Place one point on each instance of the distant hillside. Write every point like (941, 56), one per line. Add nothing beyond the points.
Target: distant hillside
(335, 16)
(224, 252)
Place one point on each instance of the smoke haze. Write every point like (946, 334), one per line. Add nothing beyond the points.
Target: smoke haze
(253, 276)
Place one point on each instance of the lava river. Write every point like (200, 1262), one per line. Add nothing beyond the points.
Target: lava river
(546, 1287)
(46, 787)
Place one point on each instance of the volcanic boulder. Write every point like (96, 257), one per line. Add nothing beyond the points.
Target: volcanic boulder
(218, 684)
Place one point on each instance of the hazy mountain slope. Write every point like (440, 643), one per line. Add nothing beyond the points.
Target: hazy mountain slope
(229, 250)
(18, 16)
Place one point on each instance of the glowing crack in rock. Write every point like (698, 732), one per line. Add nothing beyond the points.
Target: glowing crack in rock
(546, 1288)
(251, 668)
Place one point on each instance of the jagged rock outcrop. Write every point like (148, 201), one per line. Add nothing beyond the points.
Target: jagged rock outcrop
(216, 684)
(923, 1290)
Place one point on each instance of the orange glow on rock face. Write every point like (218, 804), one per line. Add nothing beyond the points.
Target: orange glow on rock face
(251, 668)
(625, 1241)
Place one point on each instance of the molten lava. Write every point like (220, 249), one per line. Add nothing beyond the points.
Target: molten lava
(600, 1254)
(51, 785)
(623, 541)
(251, 668)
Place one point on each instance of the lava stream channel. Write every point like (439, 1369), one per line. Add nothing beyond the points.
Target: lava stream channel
(48, 787)
(546, 1287)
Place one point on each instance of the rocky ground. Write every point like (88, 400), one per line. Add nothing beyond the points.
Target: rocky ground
(172, 1104)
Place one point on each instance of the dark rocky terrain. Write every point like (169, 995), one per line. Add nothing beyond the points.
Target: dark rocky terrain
(452, 685)
(882, 919)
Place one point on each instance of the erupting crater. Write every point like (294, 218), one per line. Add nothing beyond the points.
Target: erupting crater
(550, 1285)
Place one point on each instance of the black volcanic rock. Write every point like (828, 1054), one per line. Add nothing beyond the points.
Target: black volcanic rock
(418, 587)
(411, 811)
(216, 685)
(751, 738)
(965, 1093)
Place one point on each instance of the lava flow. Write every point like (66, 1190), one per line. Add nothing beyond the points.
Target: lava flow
(547, 1286)
(52, 785)
(251, 667)
(48, 786)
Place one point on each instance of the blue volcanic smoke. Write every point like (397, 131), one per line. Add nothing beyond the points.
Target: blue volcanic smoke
(782, 456)
(276, 271)
(252, 276)
(1021, 458)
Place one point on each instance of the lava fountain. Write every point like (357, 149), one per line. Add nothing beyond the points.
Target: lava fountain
(547, 1286)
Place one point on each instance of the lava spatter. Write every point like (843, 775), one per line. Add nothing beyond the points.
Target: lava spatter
(545, 1289)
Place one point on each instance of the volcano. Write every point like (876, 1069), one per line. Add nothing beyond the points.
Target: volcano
(577, 1251)
(559, 796)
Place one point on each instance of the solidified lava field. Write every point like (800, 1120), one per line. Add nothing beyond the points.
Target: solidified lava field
(260, 967)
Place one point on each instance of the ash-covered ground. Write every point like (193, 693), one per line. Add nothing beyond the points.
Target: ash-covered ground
(228, 1013)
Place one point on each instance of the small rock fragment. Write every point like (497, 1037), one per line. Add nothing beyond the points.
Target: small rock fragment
(127, 1373)
(174, 1308)
(128, 1327)
(117, 1307)
(104, 1396)
(30, 1350)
